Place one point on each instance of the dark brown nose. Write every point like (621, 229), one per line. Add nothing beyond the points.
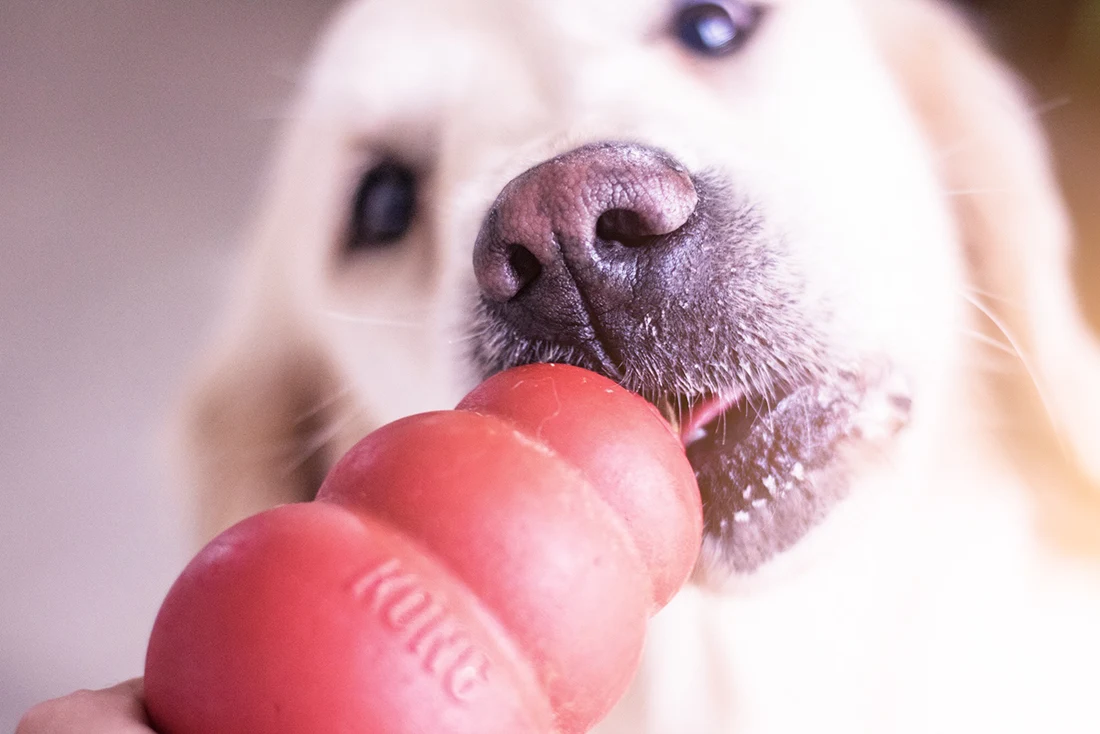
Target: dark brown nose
(565, 241)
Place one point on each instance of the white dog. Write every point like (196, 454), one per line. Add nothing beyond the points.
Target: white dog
(821, 234)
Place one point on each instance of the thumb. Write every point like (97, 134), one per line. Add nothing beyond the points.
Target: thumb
(116, 710)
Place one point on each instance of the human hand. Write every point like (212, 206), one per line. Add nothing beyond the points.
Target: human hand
(117, 710)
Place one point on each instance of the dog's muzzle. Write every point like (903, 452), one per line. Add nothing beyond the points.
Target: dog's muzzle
(615, 258)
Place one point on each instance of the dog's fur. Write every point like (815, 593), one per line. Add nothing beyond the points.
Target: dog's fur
(904, 186)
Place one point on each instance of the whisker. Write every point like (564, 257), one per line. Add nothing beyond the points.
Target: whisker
(724, 418)
(1032, 373)
(374, 320)
(995, 363)
(771, 410)
(991, 342)
(463, 339)
(1036, 111)
(481, 331)
(975, 290)
(319, 439)
(323, 404)
(1045, 108)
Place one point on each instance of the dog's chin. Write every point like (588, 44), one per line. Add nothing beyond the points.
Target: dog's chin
(770, 468)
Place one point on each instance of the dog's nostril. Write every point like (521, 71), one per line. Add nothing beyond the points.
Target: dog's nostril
(624, 226)
(525, 266)
(572, 226)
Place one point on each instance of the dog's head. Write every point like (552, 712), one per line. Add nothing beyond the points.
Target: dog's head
(773, 219)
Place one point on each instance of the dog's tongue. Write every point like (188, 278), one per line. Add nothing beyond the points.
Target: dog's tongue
(701, 413)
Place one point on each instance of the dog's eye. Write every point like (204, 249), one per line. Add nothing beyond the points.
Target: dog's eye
(383, 207)
(717, 28)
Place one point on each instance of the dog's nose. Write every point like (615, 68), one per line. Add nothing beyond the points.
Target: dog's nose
(568, 240)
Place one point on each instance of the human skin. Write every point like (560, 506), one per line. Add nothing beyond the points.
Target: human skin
(115, 710)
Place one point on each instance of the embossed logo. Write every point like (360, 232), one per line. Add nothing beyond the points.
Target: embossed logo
(428, 629)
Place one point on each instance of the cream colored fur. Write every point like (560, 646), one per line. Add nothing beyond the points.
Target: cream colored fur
(958, 589)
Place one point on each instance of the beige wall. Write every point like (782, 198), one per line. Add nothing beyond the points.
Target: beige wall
(132, 135)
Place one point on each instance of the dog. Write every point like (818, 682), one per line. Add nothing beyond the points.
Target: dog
(823, 236)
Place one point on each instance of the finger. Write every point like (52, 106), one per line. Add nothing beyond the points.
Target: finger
(116, 710)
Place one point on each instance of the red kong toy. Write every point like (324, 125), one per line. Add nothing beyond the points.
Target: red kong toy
(485, 570)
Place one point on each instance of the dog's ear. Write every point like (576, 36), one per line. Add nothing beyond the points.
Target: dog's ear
(253, 426)
(994, 166)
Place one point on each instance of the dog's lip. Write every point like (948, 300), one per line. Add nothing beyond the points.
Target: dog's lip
(704, 411)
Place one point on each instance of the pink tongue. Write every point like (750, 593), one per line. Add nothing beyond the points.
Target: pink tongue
(700, 414)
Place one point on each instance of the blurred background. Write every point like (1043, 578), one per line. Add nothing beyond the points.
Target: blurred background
(133, 139)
